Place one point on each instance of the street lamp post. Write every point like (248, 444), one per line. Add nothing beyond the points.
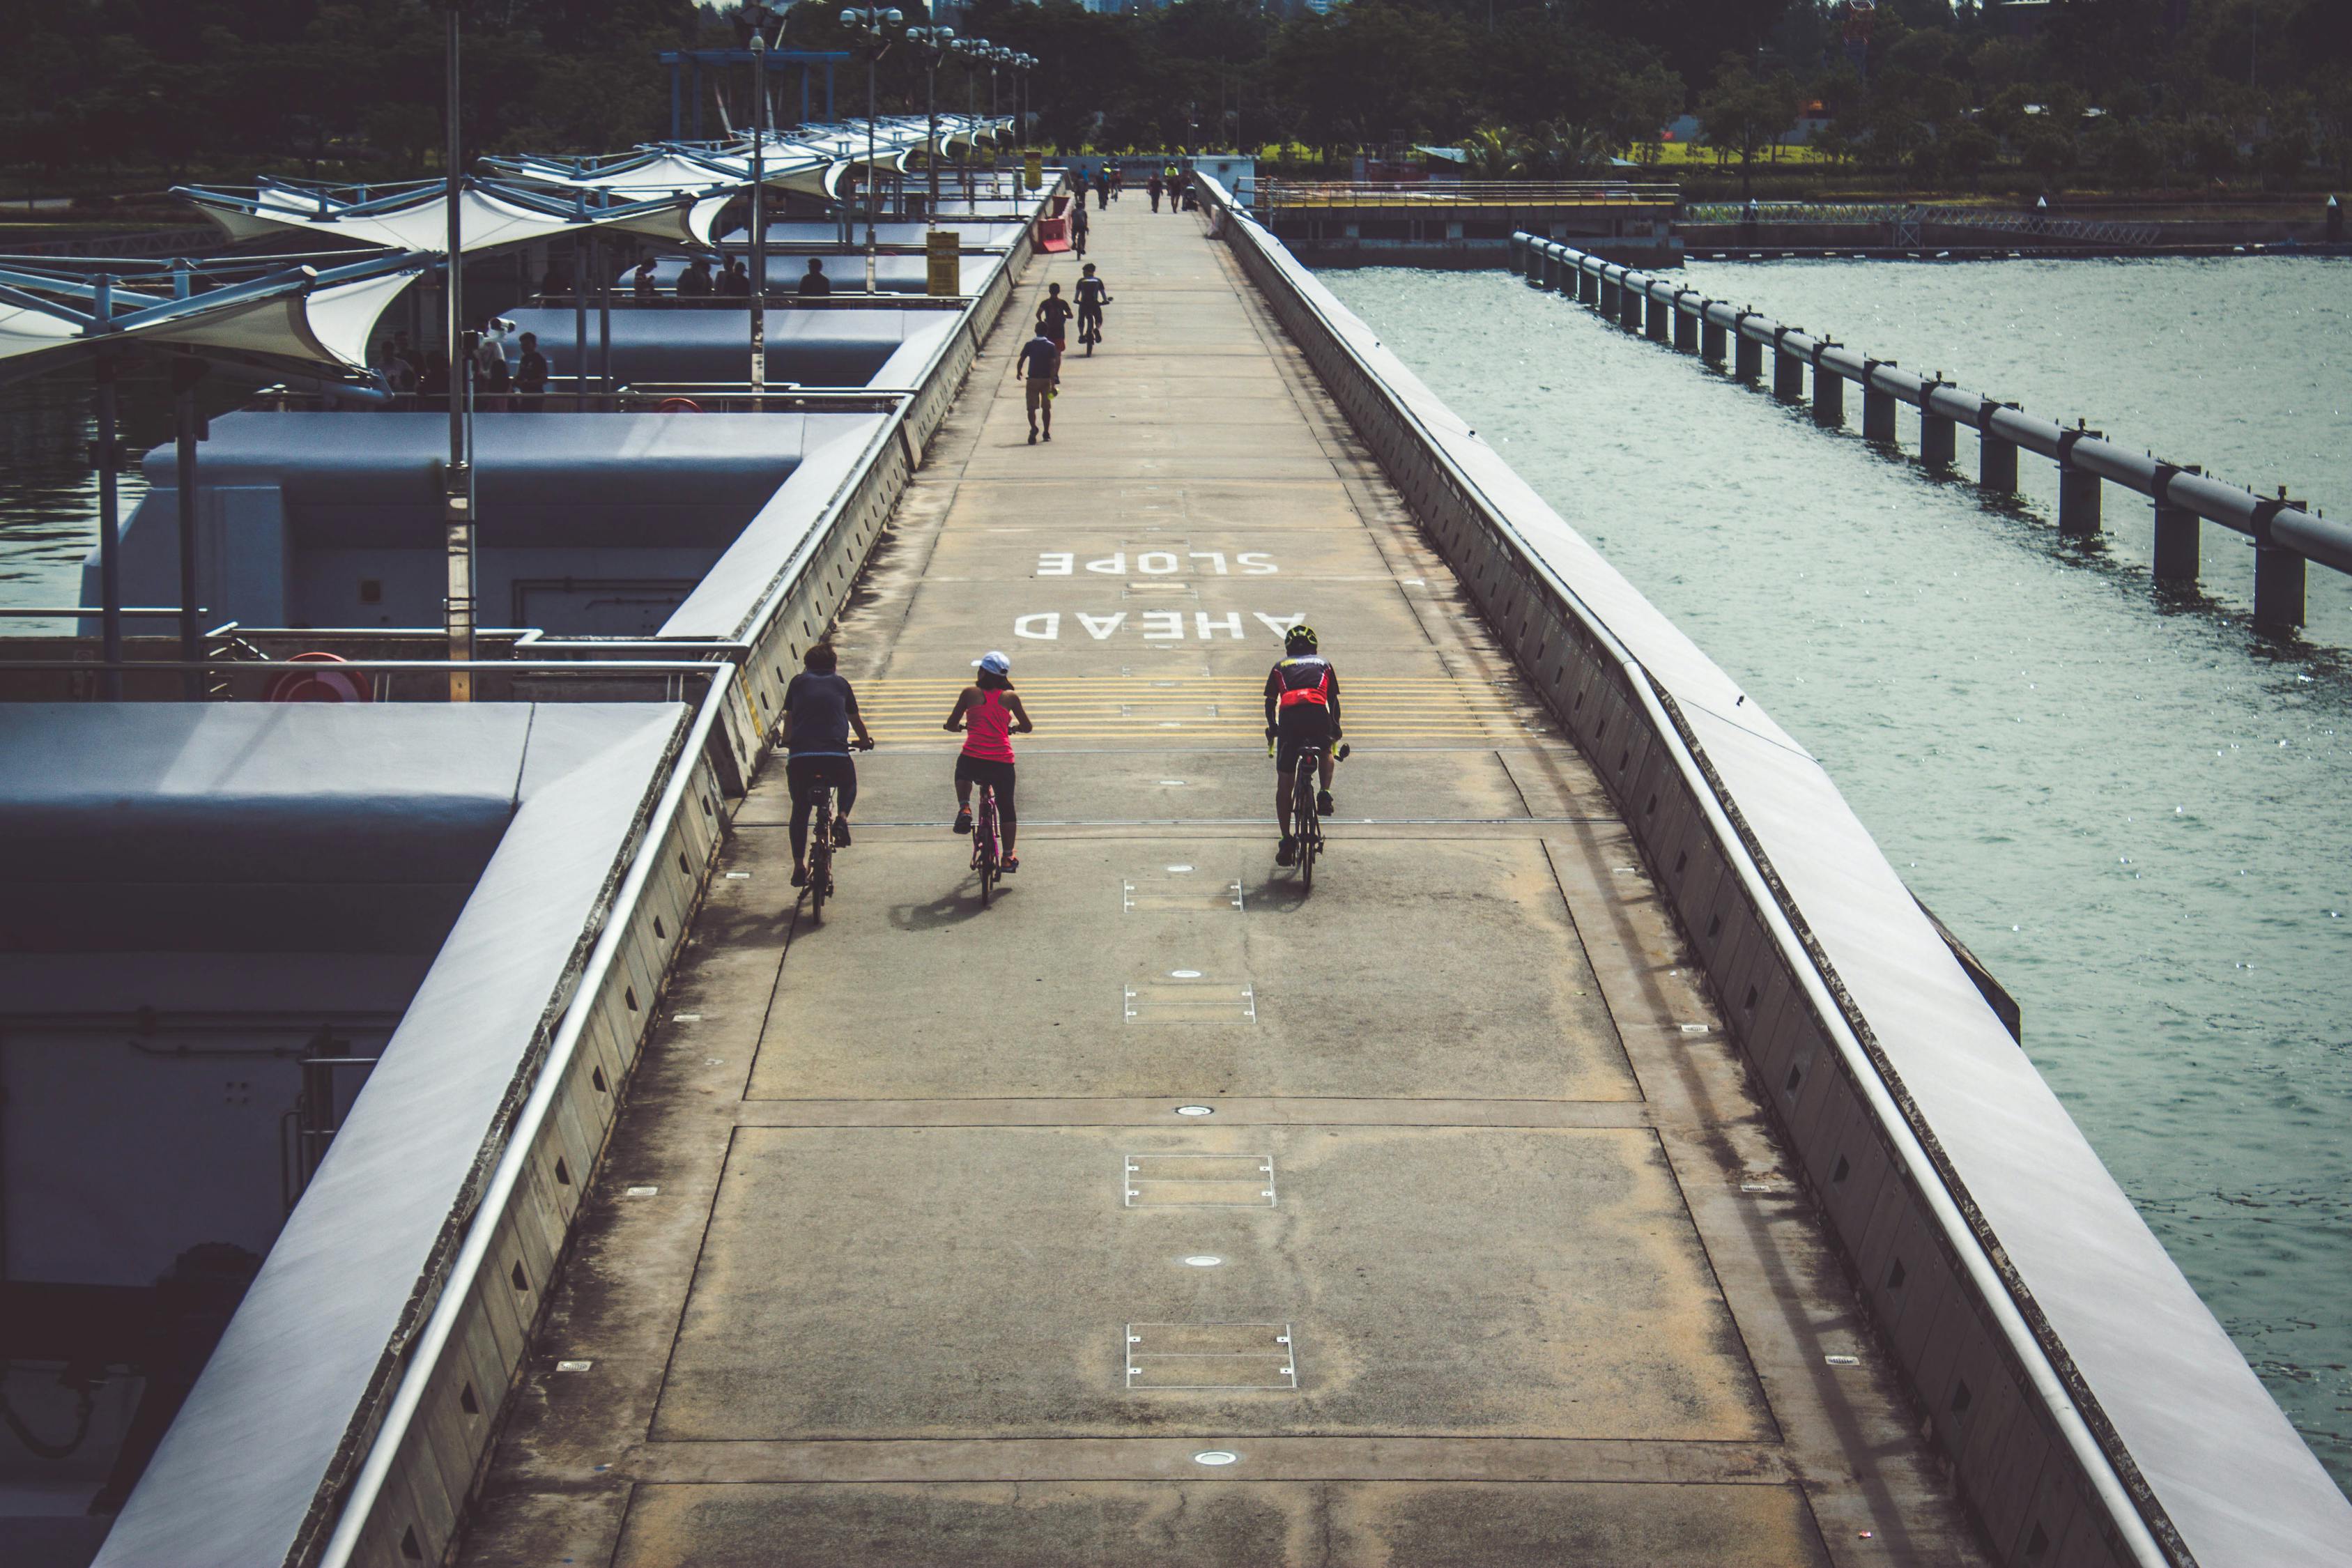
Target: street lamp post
(758, 214)
(457, 489)
(872, 25)
(935, 43)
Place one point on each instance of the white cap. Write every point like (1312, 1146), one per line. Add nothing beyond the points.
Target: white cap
(993, 662)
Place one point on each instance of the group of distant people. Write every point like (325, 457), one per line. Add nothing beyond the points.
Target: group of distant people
(733, 280)
(511, 372)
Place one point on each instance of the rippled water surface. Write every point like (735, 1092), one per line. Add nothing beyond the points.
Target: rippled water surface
(2138, 813)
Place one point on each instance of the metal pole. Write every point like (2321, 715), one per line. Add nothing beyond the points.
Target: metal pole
(759, 217)
(109, 555)
(186, 372)
(579, 324)
(872, 180)
(931, 131)
(457, 528)
(603, 311)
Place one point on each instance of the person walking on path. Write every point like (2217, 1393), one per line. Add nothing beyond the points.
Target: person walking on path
(1153, 187)
(1040, 368)
(814, 282)
(641, 281)
(990, 715)
(1054, 314)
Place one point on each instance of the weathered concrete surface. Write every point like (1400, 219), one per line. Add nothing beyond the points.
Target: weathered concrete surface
(1550, 1295)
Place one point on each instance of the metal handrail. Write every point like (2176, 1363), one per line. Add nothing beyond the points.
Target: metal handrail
(1461, 192)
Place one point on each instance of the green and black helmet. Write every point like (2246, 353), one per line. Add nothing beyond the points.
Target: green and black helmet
(1298, 639)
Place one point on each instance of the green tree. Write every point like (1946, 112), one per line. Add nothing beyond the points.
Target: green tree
(1742, 116)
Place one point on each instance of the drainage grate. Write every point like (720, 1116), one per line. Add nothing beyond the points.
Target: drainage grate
(1190, 997)
(1179, 892)
(1200, 1180)
(1160, 590)
(1210, 1355)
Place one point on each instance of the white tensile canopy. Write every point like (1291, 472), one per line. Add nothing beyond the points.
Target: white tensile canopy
(418, 219)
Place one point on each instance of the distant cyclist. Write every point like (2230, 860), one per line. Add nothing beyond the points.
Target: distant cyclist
(990, 715)
(1302, 709)
(1093, 295)
(820, 711)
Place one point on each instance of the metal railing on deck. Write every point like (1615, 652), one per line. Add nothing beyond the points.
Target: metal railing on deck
(1274, 193)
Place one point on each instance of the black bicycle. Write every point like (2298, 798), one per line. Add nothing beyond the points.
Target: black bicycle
(1090, 330)
(1306, 822)
(987, 844)
(821, 847)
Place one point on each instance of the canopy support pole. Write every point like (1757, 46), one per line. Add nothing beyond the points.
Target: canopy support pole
(458, 514)
(109, 554)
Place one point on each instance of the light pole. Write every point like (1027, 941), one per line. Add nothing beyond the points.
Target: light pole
(935, 42)
(873, 29)
(758, 214)
(974, 50)
(457, 489)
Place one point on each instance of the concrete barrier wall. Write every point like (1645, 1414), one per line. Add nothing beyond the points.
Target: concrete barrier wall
(434, 1441)
(2083, 1399)
(409, 1482)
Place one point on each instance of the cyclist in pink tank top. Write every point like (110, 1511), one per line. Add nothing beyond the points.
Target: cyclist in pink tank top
(990, 715)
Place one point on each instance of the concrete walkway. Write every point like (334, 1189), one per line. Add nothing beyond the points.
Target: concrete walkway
(905, 1253)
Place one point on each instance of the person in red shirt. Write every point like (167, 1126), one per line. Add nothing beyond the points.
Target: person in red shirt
(1302, 709)
(990, 715)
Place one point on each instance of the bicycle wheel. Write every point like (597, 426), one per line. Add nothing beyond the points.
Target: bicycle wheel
(820, 858)
(1303, 818)
(985, 852)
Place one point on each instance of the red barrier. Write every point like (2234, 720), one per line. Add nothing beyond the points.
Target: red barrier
(1053, 234)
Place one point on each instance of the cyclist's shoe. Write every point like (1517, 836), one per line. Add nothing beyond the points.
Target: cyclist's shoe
(840, 833)
(1287, 854)
(799, 875)
(1322, 808)
(1032, 438)
(963, 820)
(1009, 864)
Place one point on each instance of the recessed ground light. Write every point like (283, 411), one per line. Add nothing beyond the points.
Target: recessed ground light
(1194, 1111)
(574, 1365)
(1183, 975)
(738, 876)
(1216, 1457)
(1841, 1360)
(1172, 782)
(685, 1018)
(1694, 1028)
(1203, 1260)
(642, 1193)
(1179, 868)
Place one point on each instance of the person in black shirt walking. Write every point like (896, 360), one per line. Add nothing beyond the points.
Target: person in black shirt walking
(814, 282)
(820, 711)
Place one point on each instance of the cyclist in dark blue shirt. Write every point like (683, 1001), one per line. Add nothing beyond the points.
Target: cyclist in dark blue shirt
(820, 711)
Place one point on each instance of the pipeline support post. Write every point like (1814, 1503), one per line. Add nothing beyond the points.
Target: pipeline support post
(1749, 353)
(1685, 325)
(2180, 534)
(1787, 369)
(1710, 341)
(1608, 297)
(2278, 574)
(1877, 406)
(1659, 324)
(1588, 287)
(2078, 491)
(1829, 394)
(1996, 455)
(1632, 299)
(1939, 436)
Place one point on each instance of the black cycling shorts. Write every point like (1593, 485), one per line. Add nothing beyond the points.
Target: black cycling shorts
(1303, 726)
(997, 776)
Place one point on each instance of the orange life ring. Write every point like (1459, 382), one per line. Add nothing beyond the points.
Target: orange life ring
(320, 685)
(678, 405)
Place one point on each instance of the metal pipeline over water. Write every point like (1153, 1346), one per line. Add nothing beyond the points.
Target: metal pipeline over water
(2284, 534)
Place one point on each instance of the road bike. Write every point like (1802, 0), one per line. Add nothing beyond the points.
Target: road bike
(1306, 824)
(819, 854)
(1090, 330)
(987, 844)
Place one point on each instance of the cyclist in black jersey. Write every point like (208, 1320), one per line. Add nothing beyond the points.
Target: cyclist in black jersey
(1093, 295)
(1302, 709)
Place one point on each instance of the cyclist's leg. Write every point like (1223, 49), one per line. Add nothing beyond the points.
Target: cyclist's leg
(844, 777)
(963, 777)
(800, 778)
(1008, 819)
